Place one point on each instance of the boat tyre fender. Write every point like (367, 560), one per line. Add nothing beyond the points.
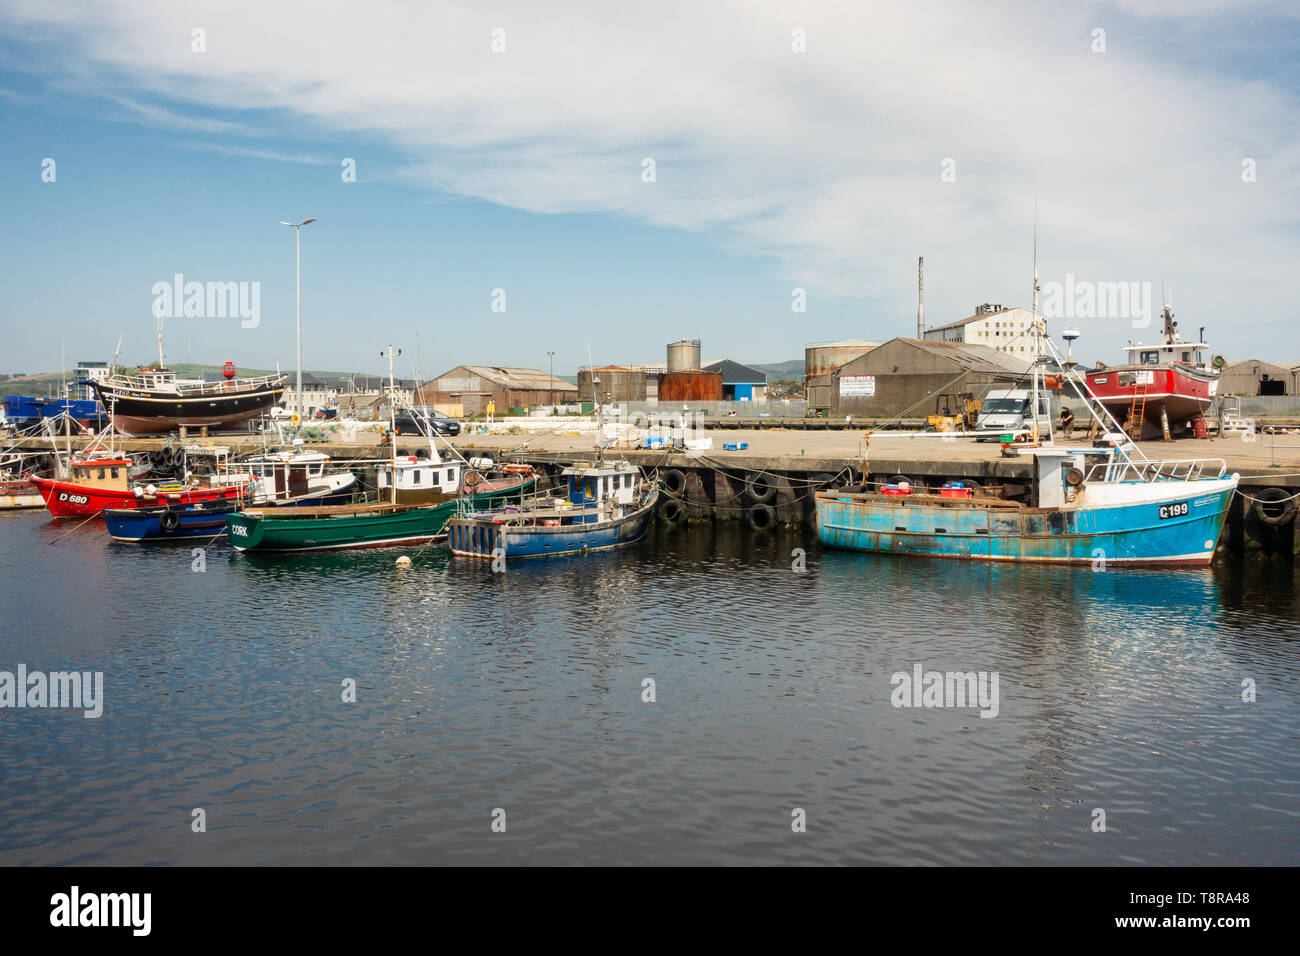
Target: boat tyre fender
(169, 521)
(822, 480)
(761, 517)
(674, 481)
(761, 488)
(1273, 506)
(671, 511)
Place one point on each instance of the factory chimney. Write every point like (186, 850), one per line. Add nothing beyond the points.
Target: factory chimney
(920, 297)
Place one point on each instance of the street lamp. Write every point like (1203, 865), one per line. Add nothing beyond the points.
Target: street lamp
(552, 356)
(297, 226)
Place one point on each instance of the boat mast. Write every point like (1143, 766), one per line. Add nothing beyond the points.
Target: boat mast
(1038, 338)
(392, 423)
(161, 363)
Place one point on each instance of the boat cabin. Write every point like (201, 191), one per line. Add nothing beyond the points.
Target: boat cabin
(284, 475)
(419, 480)
(590, 484)
(1185, 353)
(99, 472)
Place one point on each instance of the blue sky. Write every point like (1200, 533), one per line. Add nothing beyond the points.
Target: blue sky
(522, 170)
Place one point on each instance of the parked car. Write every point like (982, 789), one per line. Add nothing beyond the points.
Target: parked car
(417, 421)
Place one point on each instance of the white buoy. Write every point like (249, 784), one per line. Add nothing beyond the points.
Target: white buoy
(403, 562)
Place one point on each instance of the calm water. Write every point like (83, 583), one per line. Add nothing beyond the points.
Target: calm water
(523, 691)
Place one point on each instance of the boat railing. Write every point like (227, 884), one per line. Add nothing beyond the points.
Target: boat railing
(1181, 469)
(149, 382)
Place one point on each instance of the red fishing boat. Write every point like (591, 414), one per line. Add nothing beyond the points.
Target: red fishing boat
(1161, 389)
(100, 481)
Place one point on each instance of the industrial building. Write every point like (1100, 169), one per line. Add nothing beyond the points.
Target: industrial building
(914, 378)
(993, 325)
(474, 386)
(823, 358)
(685, 380)
(1257, 377)
(739, 382)
(613, 383)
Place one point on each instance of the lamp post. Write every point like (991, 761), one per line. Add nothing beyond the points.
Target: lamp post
(552, 357)
(297, 227)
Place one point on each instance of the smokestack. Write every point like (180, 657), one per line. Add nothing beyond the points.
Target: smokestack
(920, 297)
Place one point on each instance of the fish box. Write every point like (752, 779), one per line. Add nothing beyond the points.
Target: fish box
(735, 445)
(958, 492)
(896, 490)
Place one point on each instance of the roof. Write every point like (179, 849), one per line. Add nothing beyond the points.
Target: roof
(972, 318)
(523, 379)
(974, 358)
(734, 372)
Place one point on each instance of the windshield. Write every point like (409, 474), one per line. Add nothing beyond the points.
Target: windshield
(1005, 406)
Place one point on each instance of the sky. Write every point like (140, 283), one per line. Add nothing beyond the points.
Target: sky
(804, 153)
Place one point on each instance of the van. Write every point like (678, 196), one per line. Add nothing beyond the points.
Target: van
(1008, 410)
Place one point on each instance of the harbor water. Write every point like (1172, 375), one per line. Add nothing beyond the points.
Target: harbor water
(523, 698)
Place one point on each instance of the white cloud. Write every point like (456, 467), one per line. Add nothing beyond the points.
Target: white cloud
(828, 160)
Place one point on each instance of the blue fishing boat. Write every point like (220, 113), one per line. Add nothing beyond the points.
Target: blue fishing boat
(203, 519)
(605, 506)
(1113, 510)
(1096, 505)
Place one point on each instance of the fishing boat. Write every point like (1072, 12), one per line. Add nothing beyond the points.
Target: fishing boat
(431, 489)
(153, 400)
(605, 506)
(420, 494)
(173, 522)
(1160, 389)
(299, 478)
(1101, 504)
(99, 480)
(17, 494)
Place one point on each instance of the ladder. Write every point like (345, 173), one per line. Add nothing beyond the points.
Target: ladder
(1137, 411)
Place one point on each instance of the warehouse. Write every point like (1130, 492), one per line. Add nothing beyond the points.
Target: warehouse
(474, 386)
(739, 382)
(1256, 377)
(914, 378)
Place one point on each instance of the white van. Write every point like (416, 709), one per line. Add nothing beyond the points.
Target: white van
(1007, 410)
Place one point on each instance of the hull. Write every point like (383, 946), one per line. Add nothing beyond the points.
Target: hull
(377, 526)
(67, 500)
(203, 520)
(143, 413)
(1151, 532)
(19, 494)
(1181, 392)
(481, 536)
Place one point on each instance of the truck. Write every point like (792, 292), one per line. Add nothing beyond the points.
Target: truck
(1008, 410)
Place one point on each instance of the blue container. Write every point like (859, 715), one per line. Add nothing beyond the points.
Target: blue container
(735, 445)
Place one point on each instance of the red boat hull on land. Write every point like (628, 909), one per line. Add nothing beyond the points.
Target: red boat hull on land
(67, 500)
(1181, 391)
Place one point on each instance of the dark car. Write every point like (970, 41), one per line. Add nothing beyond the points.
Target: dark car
(414, 423)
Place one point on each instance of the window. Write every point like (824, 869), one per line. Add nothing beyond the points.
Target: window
(100, 473)
(114, 472)
(415, 475)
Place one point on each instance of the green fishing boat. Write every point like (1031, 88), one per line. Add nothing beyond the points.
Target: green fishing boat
(423, 495)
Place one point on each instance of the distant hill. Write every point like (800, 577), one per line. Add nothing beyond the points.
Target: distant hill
(788, 370)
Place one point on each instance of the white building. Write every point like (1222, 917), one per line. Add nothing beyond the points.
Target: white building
(92, 372)
(1006, 330)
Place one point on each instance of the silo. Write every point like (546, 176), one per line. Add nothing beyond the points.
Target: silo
(684, 356)
(826, 357)
(688, 386)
